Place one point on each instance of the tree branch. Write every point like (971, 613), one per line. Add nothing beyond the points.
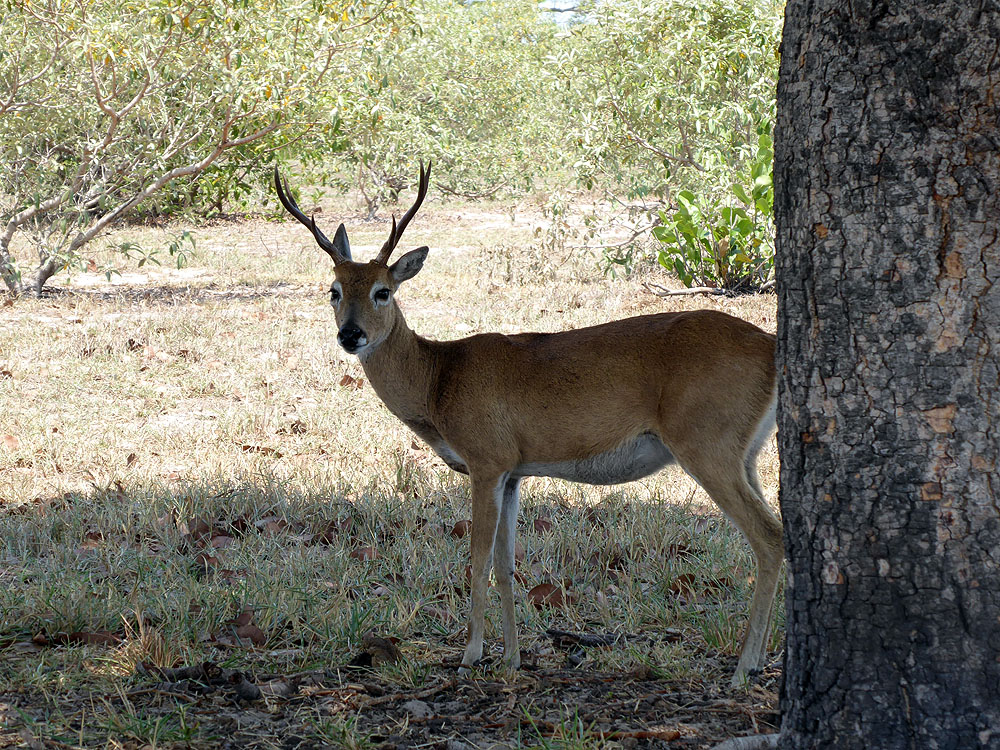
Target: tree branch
(638, 139)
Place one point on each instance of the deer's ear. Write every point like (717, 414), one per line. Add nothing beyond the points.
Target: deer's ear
(408, 266)
(341, 244)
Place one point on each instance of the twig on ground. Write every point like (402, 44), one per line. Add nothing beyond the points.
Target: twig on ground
(418, 695)
(662, 291)
(565, 639)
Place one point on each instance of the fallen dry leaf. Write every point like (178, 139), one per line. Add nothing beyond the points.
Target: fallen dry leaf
(678, 549)
(542, 525)
(443, 615)
(548, 595)
(274, 527)
(296, 427)
(92, 540)
(364, 553)
(683, 585)
(221, 541)
(10, 442)
(347, 381)
(232, 576)
(241, 631)
(206, 561)
(97, 638)
(337, 529)
(195, 528)
(461, 529)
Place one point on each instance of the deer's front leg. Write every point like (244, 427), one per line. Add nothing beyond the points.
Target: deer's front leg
(487, 498)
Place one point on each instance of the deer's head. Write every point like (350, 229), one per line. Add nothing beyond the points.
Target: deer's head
(362, 293)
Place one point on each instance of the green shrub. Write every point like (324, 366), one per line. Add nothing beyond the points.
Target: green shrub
(728, 242)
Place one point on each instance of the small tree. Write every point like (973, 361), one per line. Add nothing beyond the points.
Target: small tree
(462, 86)
(103, 104)
(674, 101)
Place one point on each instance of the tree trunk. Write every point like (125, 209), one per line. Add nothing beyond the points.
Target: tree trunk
(887, 170)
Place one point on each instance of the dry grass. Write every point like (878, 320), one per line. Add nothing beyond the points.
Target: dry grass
(214, 393)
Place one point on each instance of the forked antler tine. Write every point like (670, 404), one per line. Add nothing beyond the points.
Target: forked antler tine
(397, 229)
(284, 195)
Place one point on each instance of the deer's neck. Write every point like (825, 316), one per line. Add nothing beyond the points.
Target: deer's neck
(402, 370)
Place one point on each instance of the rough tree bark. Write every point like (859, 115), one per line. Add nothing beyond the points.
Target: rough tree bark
(887, 167)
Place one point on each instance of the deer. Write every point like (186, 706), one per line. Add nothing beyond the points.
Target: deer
(601, 405)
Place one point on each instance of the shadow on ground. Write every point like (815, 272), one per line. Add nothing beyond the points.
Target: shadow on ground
(246, 615)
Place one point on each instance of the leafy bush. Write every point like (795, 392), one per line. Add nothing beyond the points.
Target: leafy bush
(669, 92)
(727, 243)
(461, 86)
(669, 98)
(106, 103)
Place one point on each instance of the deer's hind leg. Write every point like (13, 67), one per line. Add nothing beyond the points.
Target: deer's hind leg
(731, 482)
(503, 569)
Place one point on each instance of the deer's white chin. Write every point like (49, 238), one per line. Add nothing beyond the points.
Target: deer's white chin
(365, 351)
(368, 349)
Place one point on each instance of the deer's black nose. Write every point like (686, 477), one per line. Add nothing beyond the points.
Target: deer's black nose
(351, 337)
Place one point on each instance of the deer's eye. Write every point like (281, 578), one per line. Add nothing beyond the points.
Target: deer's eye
(334, 296)
(382, 295)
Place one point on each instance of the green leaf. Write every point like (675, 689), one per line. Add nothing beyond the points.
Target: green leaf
(686, 197)
(663, 234)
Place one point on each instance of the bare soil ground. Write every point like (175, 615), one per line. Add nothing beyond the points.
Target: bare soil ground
(214, 535)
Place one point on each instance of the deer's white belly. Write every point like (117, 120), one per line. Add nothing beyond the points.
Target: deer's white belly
(633, 459)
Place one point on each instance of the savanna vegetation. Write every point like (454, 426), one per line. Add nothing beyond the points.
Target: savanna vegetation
(213, 534)
(157, 108)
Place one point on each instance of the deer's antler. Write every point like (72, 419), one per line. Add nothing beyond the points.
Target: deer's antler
(339, 251)
(397, 229)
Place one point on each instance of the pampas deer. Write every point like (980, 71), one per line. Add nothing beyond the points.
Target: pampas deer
(606, 404)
